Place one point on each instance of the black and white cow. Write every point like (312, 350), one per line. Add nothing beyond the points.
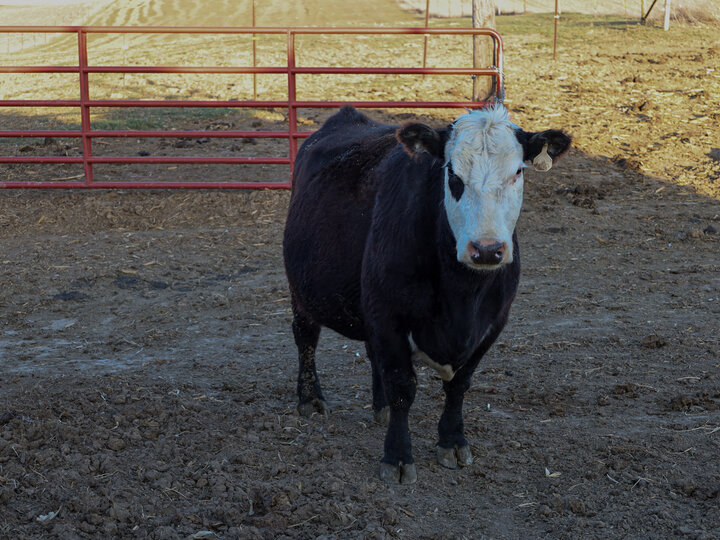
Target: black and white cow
(404, 238)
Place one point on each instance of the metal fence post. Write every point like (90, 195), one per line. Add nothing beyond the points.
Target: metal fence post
(85, 126)
(254, 53)
(292, 98)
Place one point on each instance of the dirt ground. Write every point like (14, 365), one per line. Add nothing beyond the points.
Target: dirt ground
(147, 368)
(148, 376)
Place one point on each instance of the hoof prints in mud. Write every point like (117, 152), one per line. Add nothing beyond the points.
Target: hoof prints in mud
(71, 295)
(136, 283)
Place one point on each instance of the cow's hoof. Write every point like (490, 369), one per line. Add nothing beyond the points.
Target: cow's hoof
(398, 474)
(308, 408)
(452, 458)
(382, 416)
(464, 456)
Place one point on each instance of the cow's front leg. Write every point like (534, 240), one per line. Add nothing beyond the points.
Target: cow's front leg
(453, 449)
(399, 382)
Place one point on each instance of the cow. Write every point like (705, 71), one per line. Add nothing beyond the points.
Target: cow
(404, 238)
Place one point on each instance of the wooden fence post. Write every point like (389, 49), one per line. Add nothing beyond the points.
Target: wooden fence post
(555, 33)
(483, 15)
(427, 22)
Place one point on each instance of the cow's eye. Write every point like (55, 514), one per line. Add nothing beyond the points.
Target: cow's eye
(518, 173)
(454, 183)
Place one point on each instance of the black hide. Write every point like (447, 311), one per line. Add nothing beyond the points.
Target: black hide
(369, 253)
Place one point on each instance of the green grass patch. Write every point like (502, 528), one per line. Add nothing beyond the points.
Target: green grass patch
(578, 28)
(157, 119)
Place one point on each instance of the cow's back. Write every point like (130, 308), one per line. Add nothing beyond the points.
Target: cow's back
(330, 211)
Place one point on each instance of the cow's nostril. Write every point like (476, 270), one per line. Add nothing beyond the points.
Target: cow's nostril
(486, 252)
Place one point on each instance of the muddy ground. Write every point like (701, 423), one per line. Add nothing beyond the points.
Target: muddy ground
(148, 376)
(147, 367)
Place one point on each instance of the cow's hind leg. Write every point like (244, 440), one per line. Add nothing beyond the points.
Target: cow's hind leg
(306, 333)
(381, 411)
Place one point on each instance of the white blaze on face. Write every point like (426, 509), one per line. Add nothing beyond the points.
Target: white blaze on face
(485, 155)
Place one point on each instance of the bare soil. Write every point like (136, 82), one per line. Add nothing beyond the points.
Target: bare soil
(148, 372)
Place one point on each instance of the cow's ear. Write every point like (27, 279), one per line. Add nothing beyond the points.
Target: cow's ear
(544, 148)
(417, 138)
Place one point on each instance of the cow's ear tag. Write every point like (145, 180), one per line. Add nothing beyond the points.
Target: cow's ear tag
(543, 161)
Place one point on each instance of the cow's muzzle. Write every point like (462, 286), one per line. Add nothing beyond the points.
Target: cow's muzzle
(487, 252)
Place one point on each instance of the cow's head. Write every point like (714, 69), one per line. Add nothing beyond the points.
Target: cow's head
(484, 155)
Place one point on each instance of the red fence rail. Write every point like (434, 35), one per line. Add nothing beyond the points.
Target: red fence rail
(86, 132)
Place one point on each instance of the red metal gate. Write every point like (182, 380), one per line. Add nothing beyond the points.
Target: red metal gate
(86, 133)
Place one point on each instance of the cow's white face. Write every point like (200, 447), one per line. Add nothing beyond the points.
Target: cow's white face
(483, 187)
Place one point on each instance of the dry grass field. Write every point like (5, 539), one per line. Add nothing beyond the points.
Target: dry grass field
(146, 360)
(694, 10)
